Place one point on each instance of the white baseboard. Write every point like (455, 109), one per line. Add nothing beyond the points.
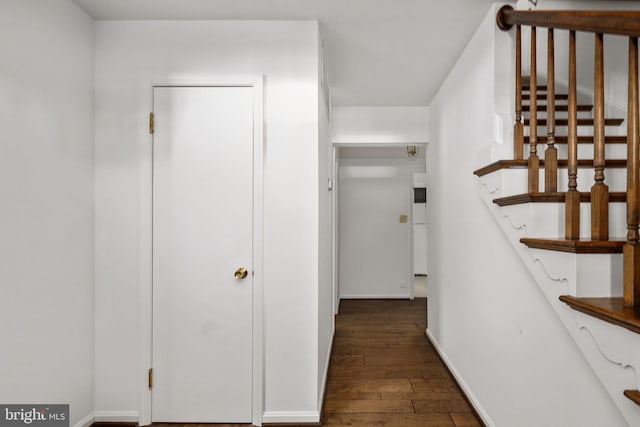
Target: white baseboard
(291, 417)
(463, 385)
(116, 416)
(86, 421)
(108, 416)
(326, 372)
(375, 296)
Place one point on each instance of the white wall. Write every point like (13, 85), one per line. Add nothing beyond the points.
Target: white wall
(375, 248)
(46, 220)
(130, 57)
(369, 125)
(485, 310)
(578, 4)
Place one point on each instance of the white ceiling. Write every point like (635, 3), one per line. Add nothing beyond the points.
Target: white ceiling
(377, 52)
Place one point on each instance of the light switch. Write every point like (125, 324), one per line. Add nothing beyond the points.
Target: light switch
(403, 219)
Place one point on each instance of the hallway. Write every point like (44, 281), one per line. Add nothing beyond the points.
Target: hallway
(384, 371)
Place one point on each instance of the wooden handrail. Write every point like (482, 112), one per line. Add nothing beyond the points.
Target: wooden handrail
(625, 23)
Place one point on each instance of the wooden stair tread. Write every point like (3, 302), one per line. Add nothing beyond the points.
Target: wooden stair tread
(581, 140)
(501, 164)
(563, 107)
(634, 395)
(581, 122)
(523, 164)
(610, 310)
(582, 246)
(555, 197)
(559, 96)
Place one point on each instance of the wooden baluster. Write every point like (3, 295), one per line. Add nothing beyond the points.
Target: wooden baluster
(599, 191)
(551, 154)
(534, 160)
(572, 196)
(518, 127)
(631, 251)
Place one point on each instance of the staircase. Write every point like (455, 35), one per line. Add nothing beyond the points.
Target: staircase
(569, 200)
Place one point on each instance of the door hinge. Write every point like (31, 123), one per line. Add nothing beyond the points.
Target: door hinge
(152, 124)
(150, 378)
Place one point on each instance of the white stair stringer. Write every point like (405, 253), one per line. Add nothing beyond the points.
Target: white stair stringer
(613, 352)
(546, 220)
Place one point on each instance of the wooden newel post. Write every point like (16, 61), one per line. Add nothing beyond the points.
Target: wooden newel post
(518, 127)
(551, 154)
(631, 251)
(534, 160)
(599, 191)
(572, 196)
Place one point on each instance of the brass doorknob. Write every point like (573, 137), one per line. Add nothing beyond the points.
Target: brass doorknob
(240, 273)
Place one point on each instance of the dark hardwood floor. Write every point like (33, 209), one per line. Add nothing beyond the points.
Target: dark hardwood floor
(384, 372)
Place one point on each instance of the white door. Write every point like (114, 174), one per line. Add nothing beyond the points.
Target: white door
(202, 234)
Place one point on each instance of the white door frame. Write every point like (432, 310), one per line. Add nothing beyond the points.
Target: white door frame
(412, 273)
(336, 233)
(146, 255)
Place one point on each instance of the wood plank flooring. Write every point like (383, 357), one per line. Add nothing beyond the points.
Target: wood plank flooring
(385, 373)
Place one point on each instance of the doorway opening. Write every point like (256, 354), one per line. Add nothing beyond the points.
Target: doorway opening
(381, 221)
